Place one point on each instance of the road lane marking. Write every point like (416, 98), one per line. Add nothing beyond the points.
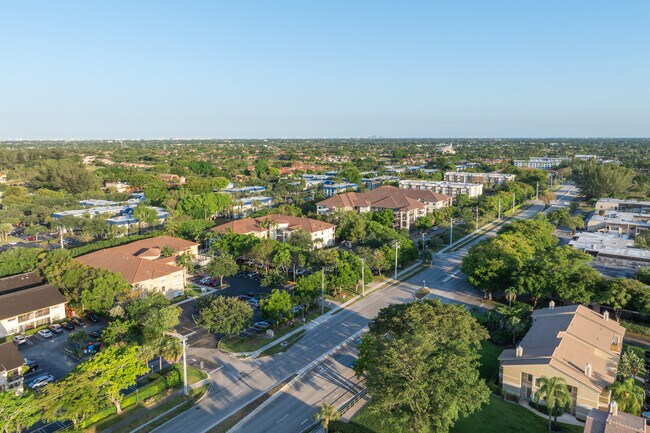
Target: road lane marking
(278, 421)
(239, 392)
(306, 419)
(186, 425)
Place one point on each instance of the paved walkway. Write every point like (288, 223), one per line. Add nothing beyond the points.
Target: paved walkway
(564, 418)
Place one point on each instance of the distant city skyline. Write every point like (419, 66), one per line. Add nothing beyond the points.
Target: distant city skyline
(289, 69)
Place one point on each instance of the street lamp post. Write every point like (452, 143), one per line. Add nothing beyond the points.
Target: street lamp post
(396, 249)
(476, 219)
(499, 208)
(322, 291)
(451, 231)
(183, 340)
(363, 277)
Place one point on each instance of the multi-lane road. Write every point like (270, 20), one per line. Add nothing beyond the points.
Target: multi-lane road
(239, 382)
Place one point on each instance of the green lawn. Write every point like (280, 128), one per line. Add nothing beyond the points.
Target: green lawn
(496, 417)
(489, 360)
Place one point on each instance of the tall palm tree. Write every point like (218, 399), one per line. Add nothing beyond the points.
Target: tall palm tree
(511, 295)
(555, 394)
(631, 364)
(327, 413)
(628, 395)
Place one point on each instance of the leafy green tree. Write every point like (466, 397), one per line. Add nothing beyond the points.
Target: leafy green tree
(276, 305)
(222, 266)
(74, 398)
(5, 229)
(326, 413)
(193, 229)
(384, 217)
(186, 260)
(538, 232)
(118, 332)
(300, 240)
(597, 180)
(420, 362)
(511, 295)
(113, 370)
(350, 226)
(35, 230)
(307, 289)
(64, 175)
(18, 260)
(224, 315)
(424, 223)
(274, 278)
(18, 412)
(628, 395)
(616, 294)
(154, 314)
(556, 396)
(351, 173)
(145, 215)
(630, 365)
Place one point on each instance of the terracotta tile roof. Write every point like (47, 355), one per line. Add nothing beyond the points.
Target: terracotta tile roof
(10, 357)
(600, 421)
(28, 299)
(255, 225)
(386, 197)
(137, 261)
(566, 339)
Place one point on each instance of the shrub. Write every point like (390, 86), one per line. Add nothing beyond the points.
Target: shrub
(636, 328)
(174, 379)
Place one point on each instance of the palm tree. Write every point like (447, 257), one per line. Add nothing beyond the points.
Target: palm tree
(327, 413)
(556, 395)
(511, 295)
(634, 362)
(628, 395)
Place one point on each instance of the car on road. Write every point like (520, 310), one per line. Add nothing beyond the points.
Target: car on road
(12, 243)
(45, 333)
(78, 321)
(30, 238)
(32, 366)
(93, 317)
(261, 324)
(19, 339)
(57, 329)
(41, 381)
(68, 326)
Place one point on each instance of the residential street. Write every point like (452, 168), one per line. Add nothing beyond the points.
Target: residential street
(239, 382)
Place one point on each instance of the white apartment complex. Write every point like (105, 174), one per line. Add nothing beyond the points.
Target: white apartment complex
(494, 178)
(453, 189)
(541, 163)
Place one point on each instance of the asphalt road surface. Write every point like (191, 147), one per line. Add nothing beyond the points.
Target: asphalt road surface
(237, 382)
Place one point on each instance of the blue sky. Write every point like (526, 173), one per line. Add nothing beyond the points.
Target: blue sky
(240, 69)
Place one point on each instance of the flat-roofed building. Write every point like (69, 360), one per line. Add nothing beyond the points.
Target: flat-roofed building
(11, 369)
(572, 342)
(622, 223)
(407, 205)
(331, 189)
(494, 178)
(619, 205)
(453, 189)
(541, 163)
(143, 264)
(27, 302)
(281, 227)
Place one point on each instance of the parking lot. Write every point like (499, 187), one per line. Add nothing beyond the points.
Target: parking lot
(49, 355)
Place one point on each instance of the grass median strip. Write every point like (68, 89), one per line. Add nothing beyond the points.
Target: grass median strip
(284, 346)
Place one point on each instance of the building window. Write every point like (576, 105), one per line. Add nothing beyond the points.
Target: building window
(537, 382)
(42, 313)
(24, 317)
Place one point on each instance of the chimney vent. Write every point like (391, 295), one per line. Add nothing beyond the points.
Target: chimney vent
(606, 315)
(519, 352)
(613, 408)
(551, 305)
(588, 369)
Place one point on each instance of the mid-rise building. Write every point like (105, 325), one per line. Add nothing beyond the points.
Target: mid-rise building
(541, 163)
(11, 369)
(337, 188)
(572, 342)
(407, 205)
(453, 189)
(27, 302)
(281, 227)
(245, 189)
(145, 266)
(494, 178)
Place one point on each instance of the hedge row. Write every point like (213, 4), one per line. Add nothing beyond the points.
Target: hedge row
(636, 328)
(343, 427)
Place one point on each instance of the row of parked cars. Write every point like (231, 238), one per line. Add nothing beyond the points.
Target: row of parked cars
(54, 329)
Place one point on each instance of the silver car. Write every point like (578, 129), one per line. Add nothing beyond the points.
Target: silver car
(41, 381)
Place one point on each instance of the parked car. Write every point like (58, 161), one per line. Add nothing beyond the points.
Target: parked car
(30, 238)
(96, 335)
(41, 381)
(57, 329)
(68, 326)
(45, 333)
(297, 309)
(253, 302)
(32, 366)
(93, 317)
(78, 321)
(19, 339)
(261, 324)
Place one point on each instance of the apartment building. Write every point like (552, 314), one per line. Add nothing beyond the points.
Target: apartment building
(281, 227)
(572, 342)
(494, 178)
(541, 163)
(11, 369)
(618, 205)
(453, 189)
(27, 302)
(407, 205)
(331, 189)
(144, 266)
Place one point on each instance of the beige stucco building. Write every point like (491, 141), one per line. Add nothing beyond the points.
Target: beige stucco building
(572, 342)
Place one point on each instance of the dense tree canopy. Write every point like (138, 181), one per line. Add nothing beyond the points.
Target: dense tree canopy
(597, 180)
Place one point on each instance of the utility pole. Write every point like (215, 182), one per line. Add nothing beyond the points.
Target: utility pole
(322, 291)
(363, 277)
(537, 192)
(396, 249)
(451, 231)
(423, 244)
(476, 219)
(499, 208)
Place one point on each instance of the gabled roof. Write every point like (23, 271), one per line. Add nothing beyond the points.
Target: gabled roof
(29, 299)
(385, 197)
(10, 357)
(139, 261)
(600, 421)
(256, 225)
(566, 339)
